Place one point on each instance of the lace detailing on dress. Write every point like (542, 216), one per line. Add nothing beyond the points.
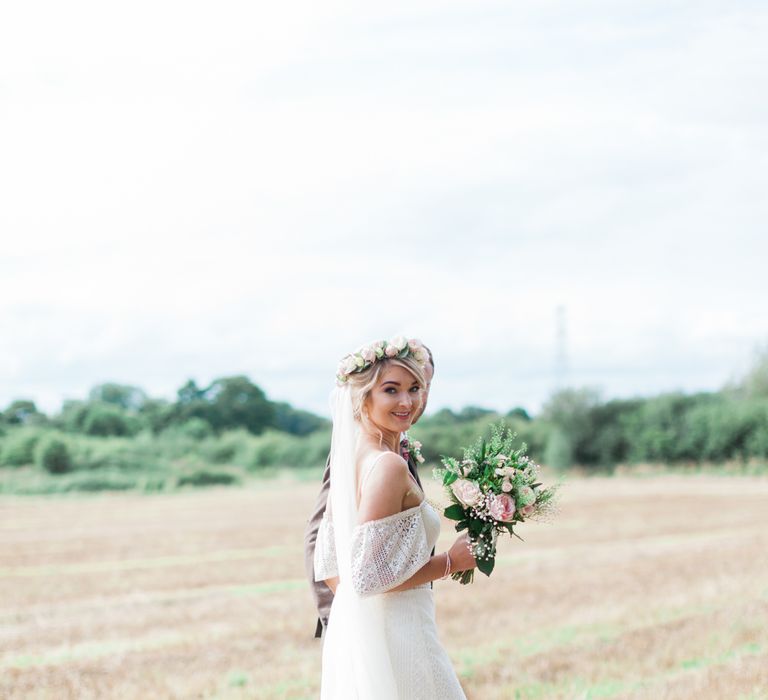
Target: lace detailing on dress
(388, 551)
(325, 563)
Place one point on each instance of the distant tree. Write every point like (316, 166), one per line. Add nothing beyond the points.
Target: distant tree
(190, 393)
(570, 409)
(107, 419)
(470, 413)
(228, 403)
(445, 416)
(295, 421)
(72, 415)
(519, 413)
(191, 402)
(610, 442)
(129, 398)
(570, 413)
(659, 430)
(157, 414)
(236, 402)
(23, 412)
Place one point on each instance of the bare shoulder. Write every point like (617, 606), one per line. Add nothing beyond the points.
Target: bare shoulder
(384, 487)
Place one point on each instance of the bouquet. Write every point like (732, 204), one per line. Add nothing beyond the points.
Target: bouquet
(493, 487)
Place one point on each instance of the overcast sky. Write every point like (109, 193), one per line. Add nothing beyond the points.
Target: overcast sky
(195, 190)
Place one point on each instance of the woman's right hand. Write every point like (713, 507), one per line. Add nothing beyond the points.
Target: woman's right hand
(461, 558)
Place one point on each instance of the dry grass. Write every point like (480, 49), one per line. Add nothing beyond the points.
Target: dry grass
(642, 588)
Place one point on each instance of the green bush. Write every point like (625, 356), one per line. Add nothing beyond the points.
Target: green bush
(275, 449)
(173, 444)
(726, 429)
(443, 436)
(231, 447)
(297, 422)
(99, 481)
(195, 428)
(559, 451)
(106, 419)
(53, 455)
(123, 454)
(757, 441)
(570, 413)
(606, 442)
(18, 447)
(208, 477)
(309, 451)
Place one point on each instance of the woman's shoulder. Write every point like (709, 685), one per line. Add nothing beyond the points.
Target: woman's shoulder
(383, 482)
(382, 464)
(385, 459)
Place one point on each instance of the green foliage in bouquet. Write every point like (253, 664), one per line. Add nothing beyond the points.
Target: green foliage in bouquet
(492, 487)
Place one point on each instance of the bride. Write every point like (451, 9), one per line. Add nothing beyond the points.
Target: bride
(374, 542)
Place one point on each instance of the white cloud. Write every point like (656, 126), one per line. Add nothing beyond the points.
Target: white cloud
(260, 188)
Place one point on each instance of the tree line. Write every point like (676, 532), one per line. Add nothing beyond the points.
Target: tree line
(119, 437)
(112, 409)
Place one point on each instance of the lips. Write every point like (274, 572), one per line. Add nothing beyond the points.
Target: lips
(402, 416)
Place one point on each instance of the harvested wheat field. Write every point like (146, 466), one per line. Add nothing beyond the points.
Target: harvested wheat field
(641, 588)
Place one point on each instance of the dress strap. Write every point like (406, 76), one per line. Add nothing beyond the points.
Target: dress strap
(369, 469)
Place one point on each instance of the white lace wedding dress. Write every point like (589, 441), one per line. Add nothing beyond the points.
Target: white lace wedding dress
(409, 657)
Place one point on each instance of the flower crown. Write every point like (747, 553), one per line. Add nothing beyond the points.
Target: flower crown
(366, 355)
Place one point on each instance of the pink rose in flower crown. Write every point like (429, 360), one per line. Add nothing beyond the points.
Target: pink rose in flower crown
(468, 493)
(391, 350)
(502, 507)
(369, 354)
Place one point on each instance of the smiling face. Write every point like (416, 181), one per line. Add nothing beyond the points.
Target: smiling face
(395, 400)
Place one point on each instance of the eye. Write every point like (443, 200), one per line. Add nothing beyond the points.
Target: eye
(415, 388)
(389, 389)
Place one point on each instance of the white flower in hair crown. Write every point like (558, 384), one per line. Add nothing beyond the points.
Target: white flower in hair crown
(367, 355)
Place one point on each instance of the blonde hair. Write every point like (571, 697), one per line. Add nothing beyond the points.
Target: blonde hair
(361, 385)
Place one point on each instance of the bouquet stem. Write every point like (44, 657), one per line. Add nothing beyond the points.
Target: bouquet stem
(464, 577)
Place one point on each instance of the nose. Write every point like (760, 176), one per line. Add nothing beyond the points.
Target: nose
(406, 400)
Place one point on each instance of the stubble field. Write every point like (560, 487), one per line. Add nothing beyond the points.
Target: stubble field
(641, 588)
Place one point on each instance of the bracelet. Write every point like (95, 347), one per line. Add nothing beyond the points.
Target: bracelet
(447, 567)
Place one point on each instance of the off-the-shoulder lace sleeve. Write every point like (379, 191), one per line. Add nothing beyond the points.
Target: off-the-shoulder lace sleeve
(388, 551)
(325, 551)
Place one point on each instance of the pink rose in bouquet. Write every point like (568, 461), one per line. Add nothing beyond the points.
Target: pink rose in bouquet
(502, 507)
(468, 492)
